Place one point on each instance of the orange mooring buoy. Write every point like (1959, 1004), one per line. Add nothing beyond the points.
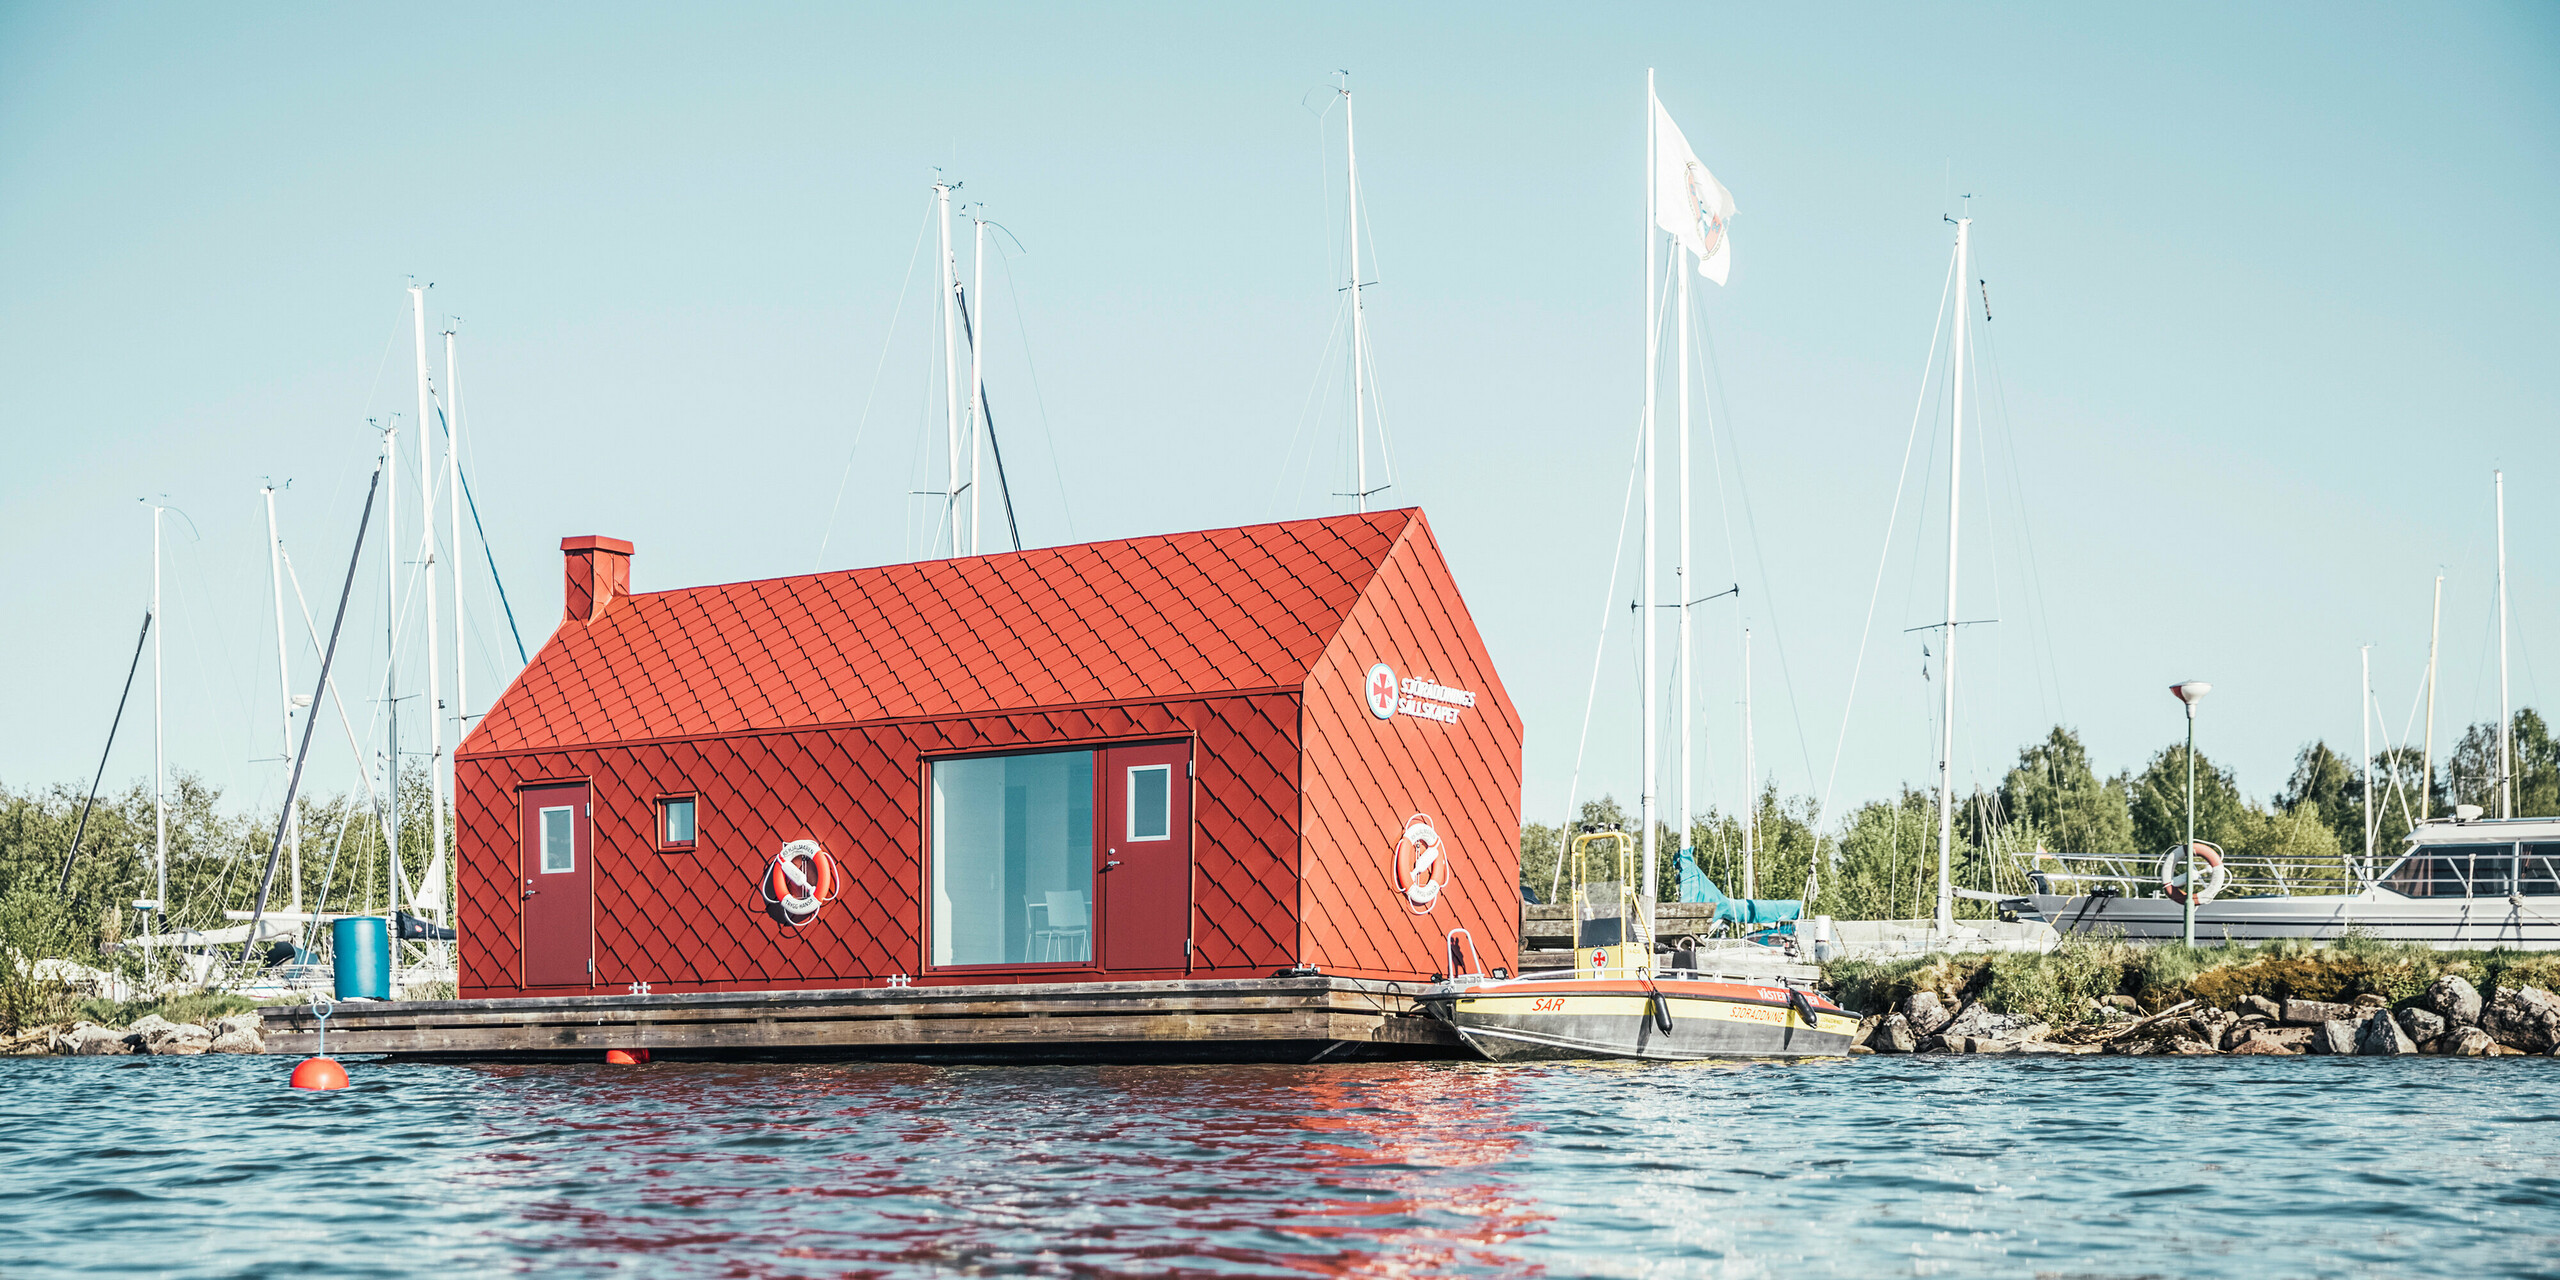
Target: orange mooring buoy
(626, 1057)
(319, 1073)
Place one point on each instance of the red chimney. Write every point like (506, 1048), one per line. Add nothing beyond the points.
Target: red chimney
(598, 569)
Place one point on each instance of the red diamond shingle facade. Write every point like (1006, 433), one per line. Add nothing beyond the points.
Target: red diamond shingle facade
(812, 707)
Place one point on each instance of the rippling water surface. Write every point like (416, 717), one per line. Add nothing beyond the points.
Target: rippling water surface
(1874, 1166)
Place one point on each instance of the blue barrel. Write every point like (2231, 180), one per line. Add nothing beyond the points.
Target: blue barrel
(364, 957)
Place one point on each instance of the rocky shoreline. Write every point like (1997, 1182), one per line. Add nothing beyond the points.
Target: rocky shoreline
(2448, 1019)
(150, 1034)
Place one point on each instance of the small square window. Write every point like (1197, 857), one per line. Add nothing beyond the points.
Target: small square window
(675, 822)
(559, 840)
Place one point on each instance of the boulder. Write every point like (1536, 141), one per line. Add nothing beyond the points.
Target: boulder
(2453, 999)
(89, 1040)
(2370, 1001)
(1893, 1035)
(2311, 1013)
(237, 1041)
(2526, 1018)
(2125, 1003)
(2185, 1046)
(2140, 1047)
(1866, 1027)
(182, 1039)
(1936, 1044)
(2259, 1005)
(152, 1028)
(1981, 1023)
(2383, 1038)
(2337, 1035)
(2469, 1042)
(2421, 1024)
(2265, 1043)
(249, 1022)
(1926, 1013)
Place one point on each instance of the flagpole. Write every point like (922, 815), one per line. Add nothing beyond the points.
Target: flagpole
(1645, 581)
(1680, 560)
(1359, 334)
(1946, 913)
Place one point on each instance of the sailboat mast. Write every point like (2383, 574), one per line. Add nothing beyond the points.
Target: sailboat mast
(950, 369)
(1750, 784)
(977, 380)
(2427, 767)
(2506, 725)
(159, 792)
(431, 888)
(1680, 562)
(1645, 581)
(453, 537)
(284, 696)
(1359, 331)
(391, 658)
(1946, 915)
(2364, 722)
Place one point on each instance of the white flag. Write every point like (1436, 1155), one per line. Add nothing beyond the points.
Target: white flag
(1688, 202)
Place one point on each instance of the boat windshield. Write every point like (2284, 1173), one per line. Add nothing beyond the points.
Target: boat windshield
(2477, 871)
(1600, 918)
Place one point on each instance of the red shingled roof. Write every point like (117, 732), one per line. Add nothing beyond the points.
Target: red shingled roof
(1218, 611)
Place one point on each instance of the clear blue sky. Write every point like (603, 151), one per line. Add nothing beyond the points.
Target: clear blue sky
(2274, 291)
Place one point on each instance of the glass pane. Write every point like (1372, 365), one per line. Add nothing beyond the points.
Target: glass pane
(1600, 914)
(679, 822)
(1151, 802)
(2542, 870)
(559, 840)
(1013, 859)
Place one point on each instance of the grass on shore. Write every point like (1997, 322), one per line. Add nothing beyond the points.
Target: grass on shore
(2061, 986)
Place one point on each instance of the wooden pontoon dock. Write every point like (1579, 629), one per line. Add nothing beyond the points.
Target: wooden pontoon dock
(1299, 1019)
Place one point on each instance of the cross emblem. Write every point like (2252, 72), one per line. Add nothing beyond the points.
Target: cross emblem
(1381, 688)
(901, 980)
(639, 988)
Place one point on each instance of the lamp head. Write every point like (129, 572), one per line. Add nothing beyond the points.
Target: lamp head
(2191, 692)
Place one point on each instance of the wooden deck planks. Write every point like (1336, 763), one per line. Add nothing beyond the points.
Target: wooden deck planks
(1285, 1019)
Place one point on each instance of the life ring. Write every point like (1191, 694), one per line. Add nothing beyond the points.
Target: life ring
(1422, 869)
(800, 880)
(2216, 875)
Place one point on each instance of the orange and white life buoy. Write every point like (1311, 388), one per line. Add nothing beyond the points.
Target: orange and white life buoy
(800, 880)
(2174, 877)
(1422, 870)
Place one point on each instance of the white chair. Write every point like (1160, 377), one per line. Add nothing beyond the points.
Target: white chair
(1062, 921)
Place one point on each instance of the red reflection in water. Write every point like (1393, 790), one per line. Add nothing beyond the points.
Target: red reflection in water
(1365, 1170)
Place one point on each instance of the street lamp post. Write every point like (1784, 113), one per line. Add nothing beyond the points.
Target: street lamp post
(2190, 692)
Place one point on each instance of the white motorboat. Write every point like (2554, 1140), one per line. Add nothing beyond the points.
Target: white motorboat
(2461, 885)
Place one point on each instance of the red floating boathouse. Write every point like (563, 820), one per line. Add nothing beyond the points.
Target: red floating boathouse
(1208, 755)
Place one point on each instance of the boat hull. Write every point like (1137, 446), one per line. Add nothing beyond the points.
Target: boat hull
(1537, 1019)
(2447, 924)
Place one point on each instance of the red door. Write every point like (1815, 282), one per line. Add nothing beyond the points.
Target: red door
(1146, 856)
(559, 887)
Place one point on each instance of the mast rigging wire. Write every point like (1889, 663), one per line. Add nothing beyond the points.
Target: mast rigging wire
(1876, 590)
(987, 414)
(275, 848)
(82, 829)
(1608, 610)
(864, 421)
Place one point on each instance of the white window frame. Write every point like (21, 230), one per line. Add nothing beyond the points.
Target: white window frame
(1134, 770)
(542, 829)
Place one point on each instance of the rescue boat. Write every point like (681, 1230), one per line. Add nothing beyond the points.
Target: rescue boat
(1620, 1000)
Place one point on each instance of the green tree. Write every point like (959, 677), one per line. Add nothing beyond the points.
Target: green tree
(2054, 789)
(2327, 783)
(2471, 774)
(2159, 795)
(1885, 866)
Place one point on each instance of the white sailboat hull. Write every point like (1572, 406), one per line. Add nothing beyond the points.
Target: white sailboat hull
(2447, 924)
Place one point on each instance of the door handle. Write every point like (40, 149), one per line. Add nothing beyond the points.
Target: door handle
(1112, 863)
(530, 892)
